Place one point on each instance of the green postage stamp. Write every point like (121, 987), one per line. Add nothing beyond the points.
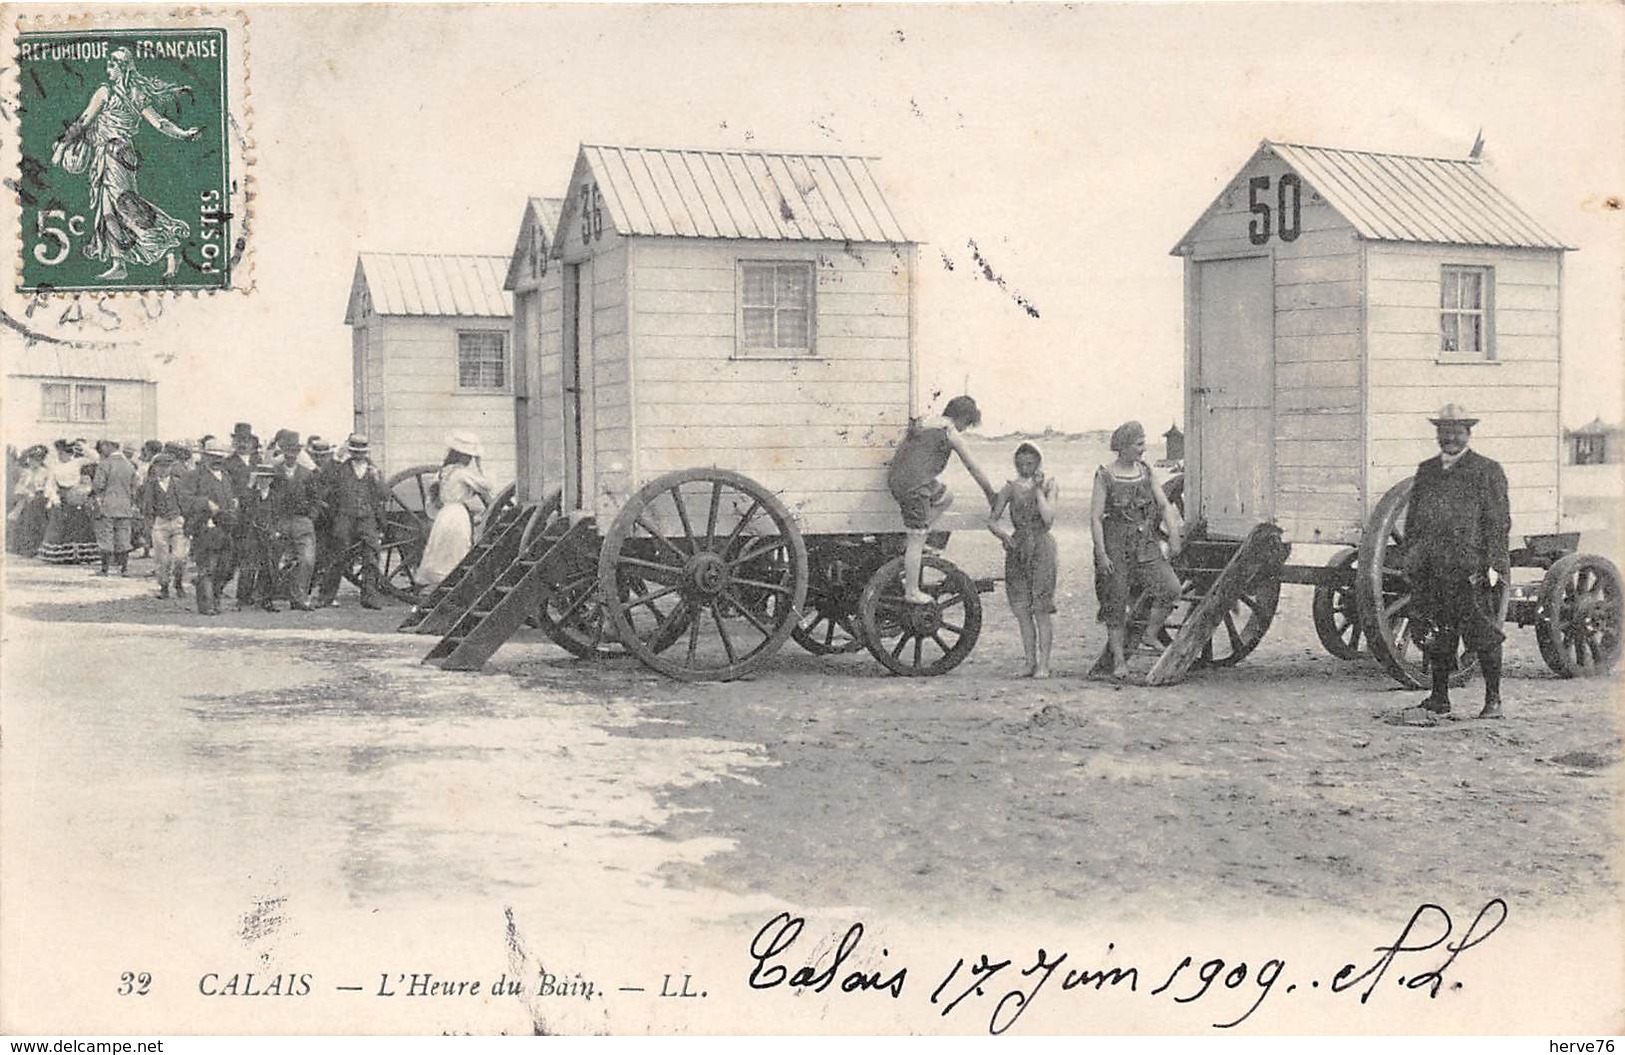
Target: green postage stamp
(132, 146)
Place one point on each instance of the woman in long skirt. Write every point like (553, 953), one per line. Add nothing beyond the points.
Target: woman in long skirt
(461, 486)
(29, 512)
(70, 537)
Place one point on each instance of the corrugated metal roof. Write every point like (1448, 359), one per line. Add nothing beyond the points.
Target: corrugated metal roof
(106, 364)
(1405, 198)
(743, 194)
(547, 212)
(433, 284)
(539, 212)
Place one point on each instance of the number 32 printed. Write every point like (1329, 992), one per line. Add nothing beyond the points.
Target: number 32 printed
(1288, 217)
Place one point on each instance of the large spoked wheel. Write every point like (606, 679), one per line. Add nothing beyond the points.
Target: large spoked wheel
(501, 502)
(703, 575)
(919, 640)
(829, 620)
(1384, 598)
(572, 615)
(1581, 612)
(1336, 609)
(1238, 633)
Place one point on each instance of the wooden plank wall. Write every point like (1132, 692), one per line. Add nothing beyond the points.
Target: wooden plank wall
(376, 426)
(818, 430)
(421, 401)
(1317, 426)
(610, 416)
(1515, 395)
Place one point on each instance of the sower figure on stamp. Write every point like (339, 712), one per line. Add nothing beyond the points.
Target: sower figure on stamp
(1456, 537)
(913, 482)
(359, 500)
(211, 520)
(125, 227)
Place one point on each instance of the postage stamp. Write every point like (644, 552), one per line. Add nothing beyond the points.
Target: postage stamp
(130, 169)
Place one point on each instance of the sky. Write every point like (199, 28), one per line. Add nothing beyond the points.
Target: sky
(1073, 145)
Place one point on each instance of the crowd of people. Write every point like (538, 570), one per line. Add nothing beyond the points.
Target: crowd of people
(285, 520)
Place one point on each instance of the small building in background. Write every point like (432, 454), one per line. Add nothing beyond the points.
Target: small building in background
(1173, 446)
(1334, 301)
(61, 392)
(533, 300)
(431, 355)
(1592, 444)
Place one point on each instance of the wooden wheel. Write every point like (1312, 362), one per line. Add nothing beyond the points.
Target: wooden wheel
(572, 615)
(1337, 609)
(919, 640)
(829, 622)
(724, 554)
(1383, 597)
(501, 502)
(1239, 631)
(1581, 612)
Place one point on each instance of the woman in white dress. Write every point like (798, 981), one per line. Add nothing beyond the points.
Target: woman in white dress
(461, 486)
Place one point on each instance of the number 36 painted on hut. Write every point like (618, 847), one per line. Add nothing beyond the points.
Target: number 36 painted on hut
(1289, 216)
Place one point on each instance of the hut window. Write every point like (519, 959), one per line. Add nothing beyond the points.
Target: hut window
(482, 361)
(90, 402)
(775, 307)
(1464, 315)
(58, 402)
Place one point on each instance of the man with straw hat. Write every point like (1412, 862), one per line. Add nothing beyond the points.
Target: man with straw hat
(359, 501)
(1456, 534)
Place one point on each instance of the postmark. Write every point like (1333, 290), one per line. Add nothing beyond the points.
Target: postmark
(132, 167)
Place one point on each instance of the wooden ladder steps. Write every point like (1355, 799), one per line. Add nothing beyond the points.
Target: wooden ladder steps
(494, 552)
(505, 605)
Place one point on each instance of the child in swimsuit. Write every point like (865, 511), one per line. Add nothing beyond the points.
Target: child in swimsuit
(912, 478)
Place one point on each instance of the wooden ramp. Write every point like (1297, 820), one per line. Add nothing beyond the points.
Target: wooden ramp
(507, 603)
(494, 550)
(1262, 554)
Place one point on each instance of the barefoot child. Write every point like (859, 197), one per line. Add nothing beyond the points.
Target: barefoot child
(1029, 554)
(923, 498)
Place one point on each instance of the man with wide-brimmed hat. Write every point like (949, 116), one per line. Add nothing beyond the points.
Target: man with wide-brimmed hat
(359, 499)
(1456, 537)
(211, 520)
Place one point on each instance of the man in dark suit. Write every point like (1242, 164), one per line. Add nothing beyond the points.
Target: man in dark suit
(114, 491)
(1456, 533)
(359, 501)
(211, 522)
(300, 502)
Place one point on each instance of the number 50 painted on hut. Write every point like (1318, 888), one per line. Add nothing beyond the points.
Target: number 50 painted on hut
(1258, 230)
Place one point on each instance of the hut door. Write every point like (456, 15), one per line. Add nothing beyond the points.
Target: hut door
(1233, 396)
(577, 382)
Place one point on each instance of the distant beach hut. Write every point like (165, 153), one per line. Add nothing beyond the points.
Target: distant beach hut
(1592, 444)
(431, 355)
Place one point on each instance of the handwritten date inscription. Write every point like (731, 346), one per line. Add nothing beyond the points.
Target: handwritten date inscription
(1004, 988)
